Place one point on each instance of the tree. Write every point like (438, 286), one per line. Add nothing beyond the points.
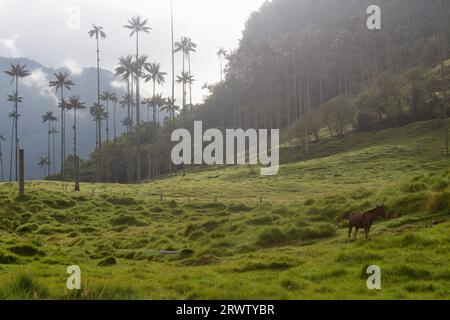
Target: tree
(171, 108)
(54, 131)
(43, 163)
(184, 78)
(107, 96)
(60, 83)
(75, 104)
(221, 54)
(114, 100)
(137, 25)
(2, 139)
(186, 46)
(98, 33)
(48, 118)
(98, 114)
(14, 115)
(17, 72)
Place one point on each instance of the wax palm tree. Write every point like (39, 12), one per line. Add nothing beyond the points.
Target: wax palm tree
(60, 83)
(14, 115)
(149, 103)
(2, 139)
(222, 53)
(114, 100)
(171, 108)
(190, 48)
(48, 118)
(137, 25)
(184, 78)
(128, 102)
(17, 72)
(98, 114)
(107, 96)
(75, 104)
(155, 75)
(43, 163)
(54, 131)
(99, 34)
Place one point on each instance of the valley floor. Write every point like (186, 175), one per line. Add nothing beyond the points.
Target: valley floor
(228, 233)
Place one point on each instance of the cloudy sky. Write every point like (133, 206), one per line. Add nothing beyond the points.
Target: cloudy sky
(54, 32)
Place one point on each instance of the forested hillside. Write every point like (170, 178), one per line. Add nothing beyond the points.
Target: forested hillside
(296, 55)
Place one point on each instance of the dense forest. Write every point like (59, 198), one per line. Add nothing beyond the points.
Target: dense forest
(309, 65)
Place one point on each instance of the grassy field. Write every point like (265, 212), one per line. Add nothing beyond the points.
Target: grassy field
(228, 233)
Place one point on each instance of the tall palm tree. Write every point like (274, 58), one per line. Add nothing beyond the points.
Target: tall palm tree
(43, 163)
(62, 82)
(54, 131)
(190, 47)
(99, 114)
(75, 104)
(155, 74)
(99, 34)
(2, 139)
(14, 115)
(173, 51)
(114, 100)
(107, 96)
(185, 78)
(17, 72)
(170, 108)
(222, 53)
(137, 25)
(48, 117)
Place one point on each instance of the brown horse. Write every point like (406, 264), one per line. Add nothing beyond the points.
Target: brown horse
(365, 220)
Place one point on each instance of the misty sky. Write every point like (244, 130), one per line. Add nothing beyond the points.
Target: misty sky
(46, 31)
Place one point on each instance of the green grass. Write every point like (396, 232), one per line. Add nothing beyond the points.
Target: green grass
(212, 238)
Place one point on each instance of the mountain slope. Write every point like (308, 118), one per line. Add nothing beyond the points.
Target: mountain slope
(39, 98)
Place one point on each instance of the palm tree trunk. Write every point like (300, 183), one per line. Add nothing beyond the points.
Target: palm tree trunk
(17, 130)
(1, 162)
(63, 134)
(12, 149)
(48, 150)
(54, 156)
(75, 156)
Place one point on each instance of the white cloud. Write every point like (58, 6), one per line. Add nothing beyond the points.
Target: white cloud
(39, 80)
(74, 67)
(10, 45)
(116, 84)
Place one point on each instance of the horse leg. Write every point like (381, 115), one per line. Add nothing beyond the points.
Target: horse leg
(356, 233)
(350, 229)
(366, 232)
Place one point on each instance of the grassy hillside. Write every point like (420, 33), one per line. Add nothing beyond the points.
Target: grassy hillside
(228, 233)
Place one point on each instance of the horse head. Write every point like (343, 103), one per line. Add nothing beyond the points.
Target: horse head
(380, 211)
